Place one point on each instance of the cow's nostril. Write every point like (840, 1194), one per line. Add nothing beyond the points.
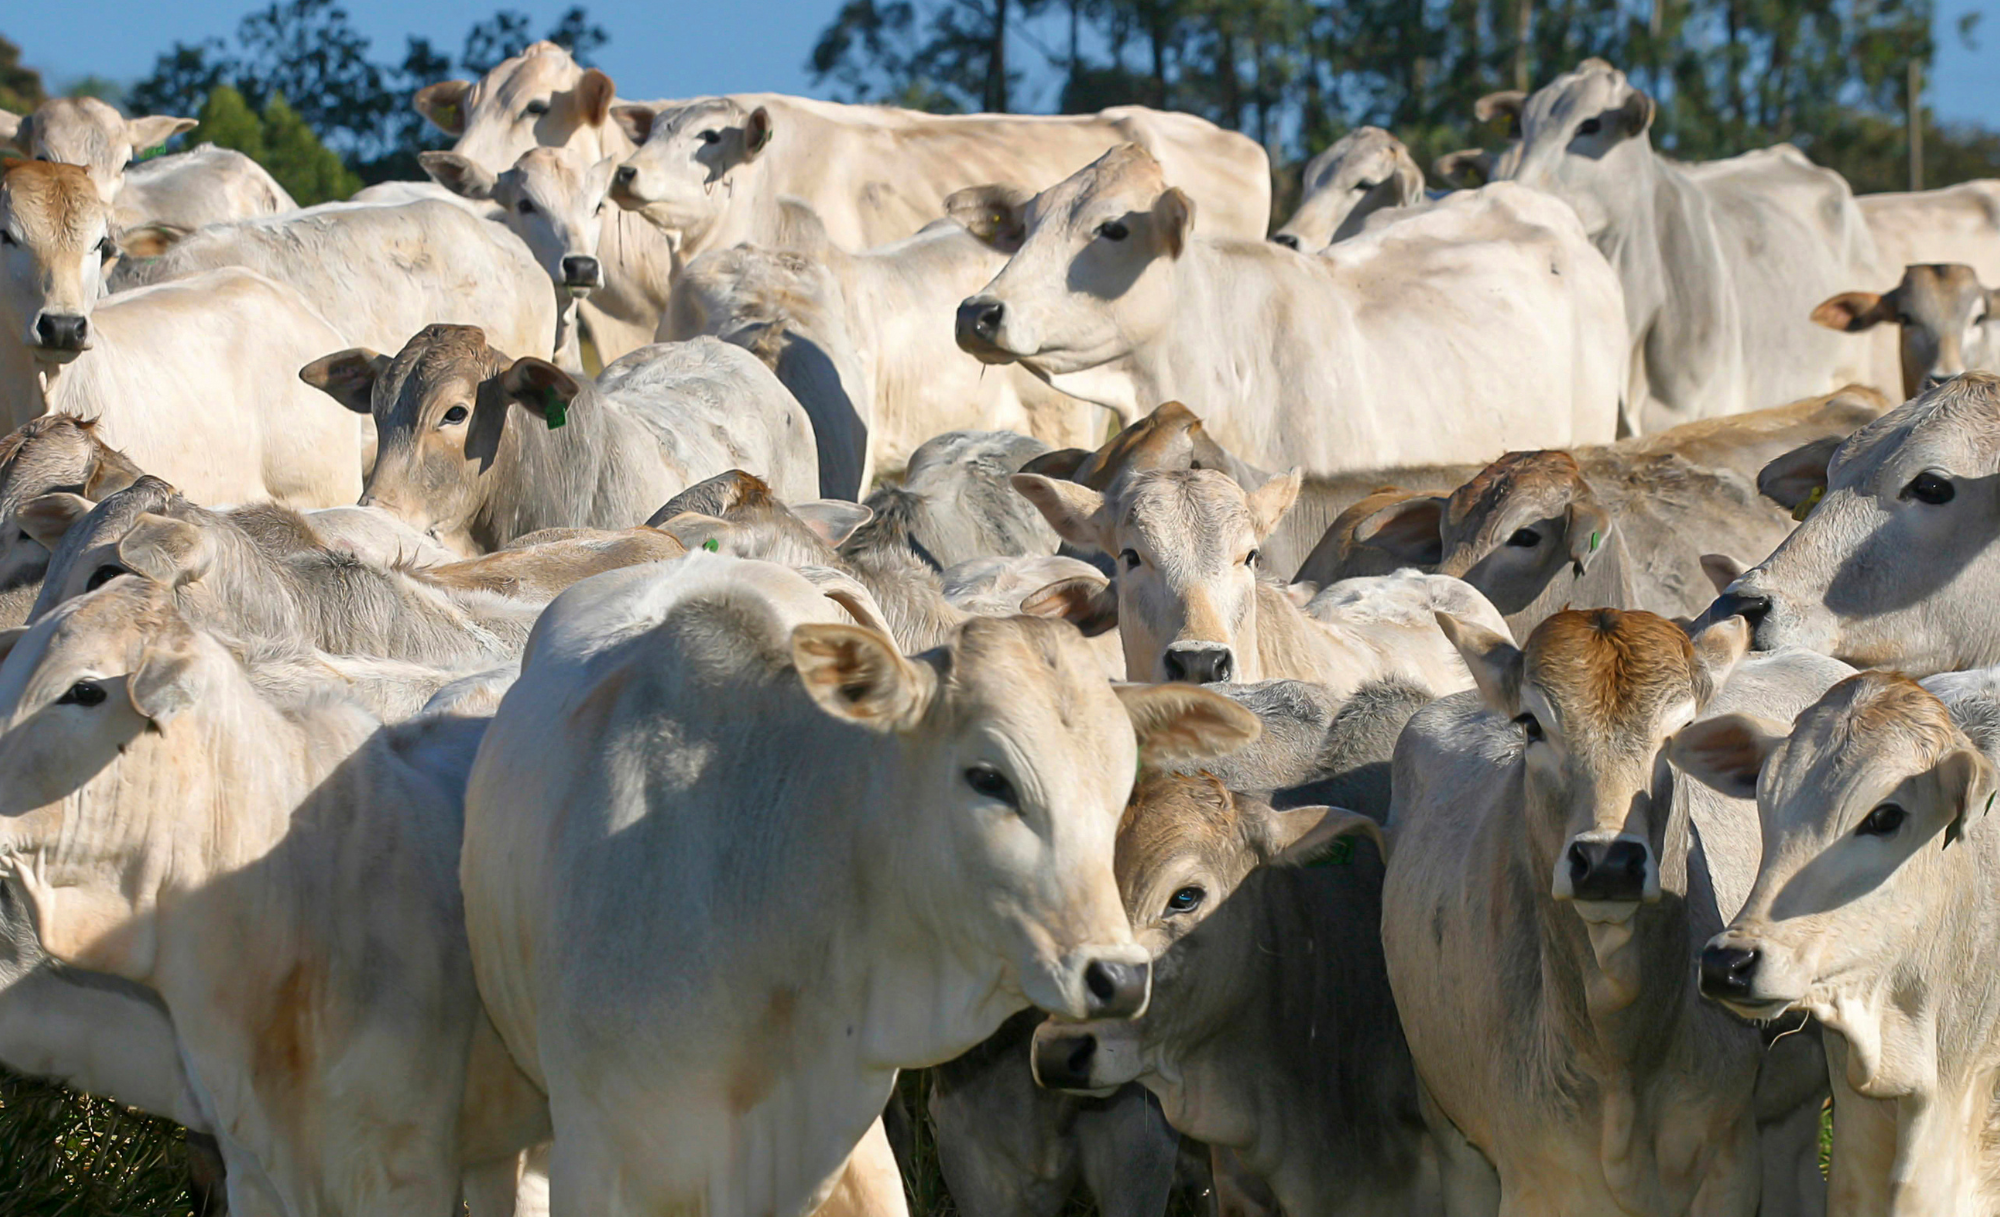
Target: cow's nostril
(1102, 985)
(1286, 239)
(625, 175)
(1579, 863)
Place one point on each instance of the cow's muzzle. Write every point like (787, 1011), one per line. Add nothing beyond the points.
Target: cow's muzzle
(1062, 1060)
(1608, 872)
(582, 273)
(61, 336)
(978, 330)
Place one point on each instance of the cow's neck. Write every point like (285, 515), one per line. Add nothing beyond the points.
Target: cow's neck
(749, 212)
(559, 478)
(639, 265)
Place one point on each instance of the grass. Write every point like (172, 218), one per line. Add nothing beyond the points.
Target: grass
(65, 1155)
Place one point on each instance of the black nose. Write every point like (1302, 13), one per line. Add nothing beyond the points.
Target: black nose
(1749, 606)
(62, 331)
(980, 319)
(1287, 240)
(1613, 871)
(1062, 1062)
(1728, 971)
(1115, 990)
(581, 271)
(1199, 665)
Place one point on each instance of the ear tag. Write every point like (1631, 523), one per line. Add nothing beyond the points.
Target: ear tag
(1806, 504)
(712, 545)
(1593, 542)
(1339, 853)
(554, 409)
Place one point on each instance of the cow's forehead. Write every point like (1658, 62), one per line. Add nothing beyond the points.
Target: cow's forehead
(1189, 504)
(1957, 423)
(1611, 672)
(1592, 88)
(1544, 481)
(79, 126)
(1868, 725)
(1126, 175)
(1032, 676)
(1169, 816)
(107, 627)
(442, 357)
(54, 201)
(697, 114)
(1938, 291)
(542, 68)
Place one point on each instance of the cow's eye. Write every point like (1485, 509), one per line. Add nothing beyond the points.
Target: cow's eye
(1364, 187)
(537, 107)
(454, 416)
(1186, 900)
(525, 207)
(1250, 559)
(1113, 230)
(1883, 821)
(990, 783)
(1929, 488)
(1525, 538)
(711, 137)
(7, 238)
(1589, 126)
(1130, 558)
(82, 693)
(1530, 726)
(101, 576)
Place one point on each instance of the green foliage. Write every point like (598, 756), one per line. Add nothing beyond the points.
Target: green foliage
(227, 121)
(308, 170)
(64, 1154)
(20, 88)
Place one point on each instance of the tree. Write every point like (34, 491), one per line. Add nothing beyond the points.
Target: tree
(227, 121)
(20, 88)
(308, 170)
(948, 56)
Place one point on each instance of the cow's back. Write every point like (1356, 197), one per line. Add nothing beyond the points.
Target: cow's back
(711, 406)
(204, 185)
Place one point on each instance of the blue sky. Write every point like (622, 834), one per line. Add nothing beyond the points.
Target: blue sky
(683, 48)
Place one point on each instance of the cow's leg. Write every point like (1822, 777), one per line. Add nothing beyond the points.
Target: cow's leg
(1128, 1152)
(871, 1184)
(1238, 1191)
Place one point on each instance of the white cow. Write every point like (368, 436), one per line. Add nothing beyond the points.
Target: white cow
(865, 865)
(379, 274)
(191, 380)
(1940, 314)
(542, 98)
(1720, 263)
(1366, 171)
(1484, 324)
(91, 133)
(864, 340)
(714, 169)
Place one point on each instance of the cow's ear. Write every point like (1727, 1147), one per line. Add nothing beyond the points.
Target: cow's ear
(462, 176)
(1589, 531)
(1409, 531)
(444, 104)
(145, 134)
(170, 552)
(151, 240)
(13, 128)
(593, 97)
(695, 530)
(1173, 215)
(1466, 169)
(1089, 604)
(1722, 570)
(542, 388)
(1176, 723)
(598, 180)
(635, 121)
(348, 377)
(1270, 502)
(163, 684)
(858, 675)
(1853, 312)
(1060, 464)
(1636, 114)
(1304, 835)
(833, 520)
(1726, 752)
(1964, 780)
(47, 518)
(1796, 480)
(1493, 659)
(756, 133)
(1072, 510)
(995, 215)
(1717, 651)
(1409, 176)
(1505, 104)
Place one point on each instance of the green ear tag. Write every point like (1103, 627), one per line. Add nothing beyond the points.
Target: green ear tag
(712, 545)
(554, 409)
(1806, 504)
(1593, 542)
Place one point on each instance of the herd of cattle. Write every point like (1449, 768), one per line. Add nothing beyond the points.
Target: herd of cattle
(1429, 771)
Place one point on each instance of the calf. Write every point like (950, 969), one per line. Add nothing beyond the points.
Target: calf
(479, 450)
(1945, 318)
(1549, 891)
(91, 133)
(57, 452)
(954, 503)
(1872, 912)
(731, 996)
(1366, 171)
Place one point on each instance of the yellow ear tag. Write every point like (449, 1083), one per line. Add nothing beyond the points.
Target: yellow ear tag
(1806, 505)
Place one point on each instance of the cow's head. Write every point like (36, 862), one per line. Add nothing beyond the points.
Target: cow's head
(1366, 170)
(1861, 800)
(53, 454)
(553, 199)
(1579, 135)
(444, 409)
(1186, 545)
(1895, 564)
(690, 161)
(1185, 845)
(1945, 317)
(1596, 695)
(539, 98)
(55, 233)
(1016, 759)
(1092, 256)
(85, 131)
